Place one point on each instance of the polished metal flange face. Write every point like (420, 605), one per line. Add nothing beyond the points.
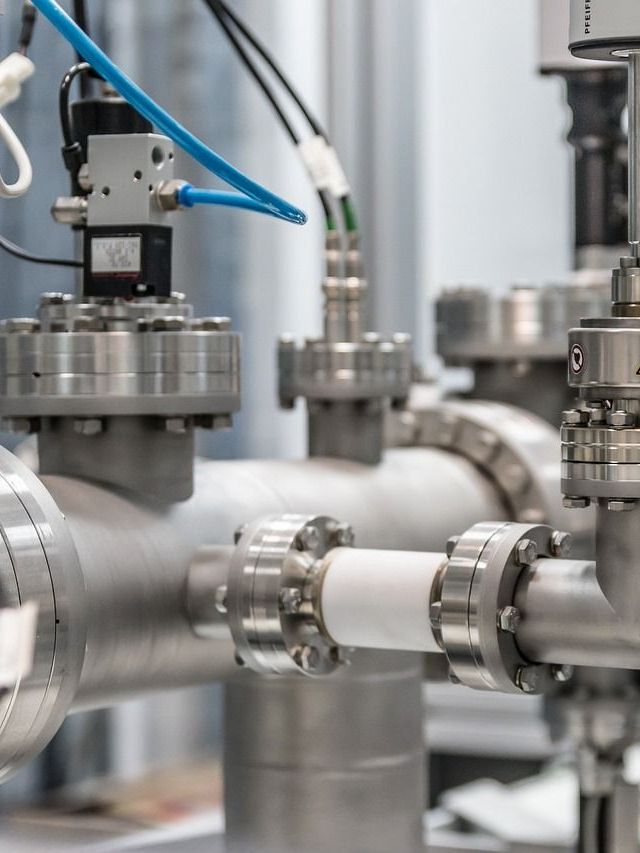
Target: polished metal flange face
(118, 358)
(270, 595)
(369, 369)
(478, 617)
(527, 322)
(38, 564)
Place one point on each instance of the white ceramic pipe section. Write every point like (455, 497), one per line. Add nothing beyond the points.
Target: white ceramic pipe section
(380, 599)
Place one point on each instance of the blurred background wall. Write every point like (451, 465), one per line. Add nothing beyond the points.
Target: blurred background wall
(455, 148)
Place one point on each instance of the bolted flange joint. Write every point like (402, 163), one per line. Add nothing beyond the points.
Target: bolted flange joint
(273, 583)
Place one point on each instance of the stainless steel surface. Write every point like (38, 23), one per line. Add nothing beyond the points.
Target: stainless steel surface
(617, 563)
(634, 152)
(352, 778)
(139, 637)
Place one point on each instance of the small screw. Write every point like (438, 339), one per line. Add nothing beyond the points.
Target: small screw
(291, 600)
(308, 539)
(451, 545)
(562, 673)
(572, 502)
(526, 552)
(508, 619)
(221, 600)
(237, 536)
(88, 427)
(528, 679)
(560, 544)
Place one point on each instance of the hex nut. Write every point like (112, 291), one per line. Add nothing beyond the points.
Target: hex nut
(435, 615)
(621, 505)
(575, 417)
(290, 600)
(343, 536)
(211, 324)
(526, 552)
(508, 619)
(21, 325)
(562, 673)
(88, 427)
(308, 539)
(528, 679)
(221, 600)
(307, 658)
(571, 502)
(168, 324)
(560, 544)
(451, 545)
(620, 420)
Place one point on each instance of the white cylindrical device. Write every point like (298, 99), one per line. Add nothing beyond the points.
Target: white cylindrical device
(555, 56)
(604, 29)
(380, 599)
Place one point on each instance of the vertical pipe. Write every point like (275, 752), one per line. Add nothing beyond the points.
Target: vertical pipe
(634, 152)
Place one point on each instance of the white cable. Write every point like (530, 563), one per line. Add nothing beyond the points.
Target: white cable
(22, 161)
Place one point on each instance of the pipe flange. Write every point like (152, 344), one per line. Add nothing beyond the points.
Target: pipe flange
(109, 359)
(479, 619)
(368, 369)
(270, 595)
(512, 448)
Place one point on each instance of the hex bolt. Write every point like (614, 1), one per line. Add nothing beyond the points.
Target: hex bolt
(168, 324)
(575, 417)
(621, 505)
(307, 658)
(21, 325)
(239, 533)
(221, 599)
(435, 615)
(308, 539)
(177, 298)
(343, 536)
(82, 324)
(597, 412)
(287, 342)
(508, 619)
(560, 543)
(528, 679)
(211, 324)
(573, 502)
(452, 542)
(55, 299)
(290, 600)
(526, 552)
(89, 427)
(176, 426)
(620, 419)
(562, 673)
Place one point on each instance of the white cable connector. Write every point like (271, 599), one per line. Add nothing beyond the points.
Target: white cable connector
(323, 164)
(14, 70)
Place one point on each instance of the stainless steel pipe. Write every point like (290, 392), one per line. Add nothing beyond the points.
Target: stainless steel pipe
(135, 556)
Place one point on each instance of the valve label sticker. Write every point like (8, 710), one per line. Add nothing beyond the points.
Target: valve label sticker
(577, 359)
(116, 255)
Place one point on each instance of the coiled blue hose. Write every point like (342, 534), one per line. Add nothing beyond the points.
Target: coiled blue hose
(145, 105)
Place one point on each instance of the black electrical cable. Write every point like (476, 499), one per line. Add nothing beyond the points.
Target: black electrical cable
(81, 18)
(82, 68)
(23, 255)
(346, 201)
(28, 22)
(268, 92)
